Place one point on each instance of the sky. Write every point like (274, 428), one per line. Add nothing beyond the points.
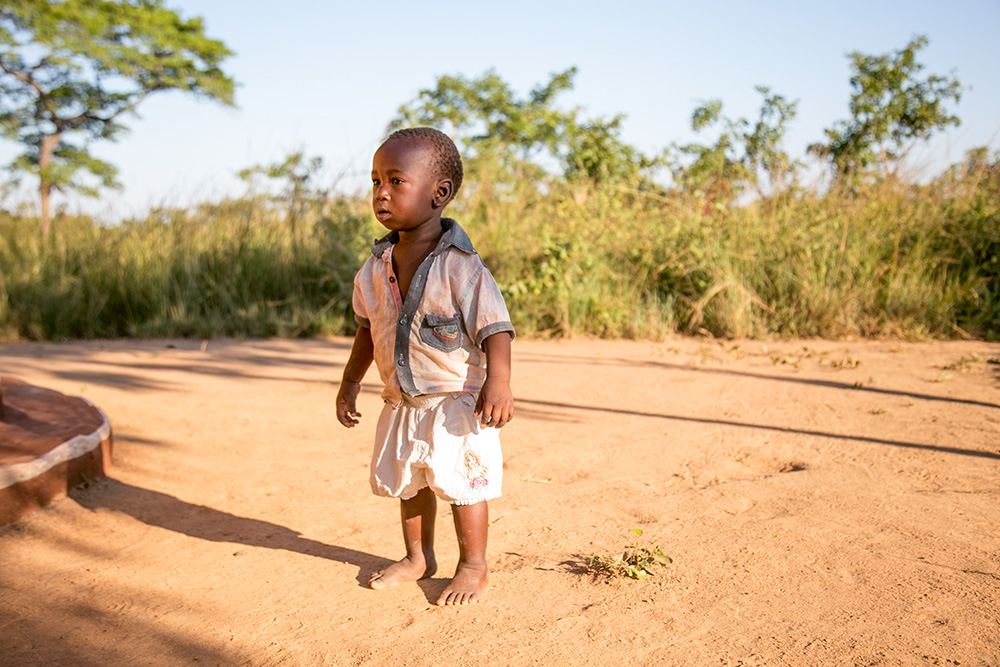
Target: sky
(326, 77)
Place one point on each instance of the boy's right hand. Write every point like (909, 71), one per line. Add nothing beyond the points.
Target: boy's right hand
(347, 412)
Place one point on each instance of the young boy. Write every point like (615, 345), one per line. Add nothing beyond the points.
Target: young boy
(433, 320)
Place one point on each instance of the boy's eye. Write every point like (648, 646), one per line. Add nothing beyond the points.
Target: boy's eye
(397, 181)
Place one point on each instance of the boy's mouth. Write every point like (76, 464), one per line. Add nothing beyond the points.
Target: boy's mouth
(382, 215)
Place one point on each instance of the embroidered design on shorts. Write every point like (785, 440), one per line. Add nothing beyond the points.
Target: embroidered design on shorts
(475, 471)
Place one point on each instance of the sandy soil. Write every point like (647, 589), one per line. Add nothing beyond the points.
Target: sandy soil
(825, 503)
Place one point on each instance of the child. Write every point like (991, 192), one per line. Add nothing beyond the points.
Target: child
(433, 320)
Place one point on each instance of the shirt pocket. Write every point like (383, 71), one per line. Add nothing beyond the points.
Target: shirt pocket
(441, 332)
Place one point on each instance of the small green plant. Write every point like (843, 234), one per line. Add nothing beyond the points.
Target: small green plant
(963, 364)
(636, 562)
(847, 362)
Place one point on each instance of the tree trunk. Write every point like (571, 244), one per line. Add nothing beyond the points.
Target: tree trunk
(45, 221)
(47, 150)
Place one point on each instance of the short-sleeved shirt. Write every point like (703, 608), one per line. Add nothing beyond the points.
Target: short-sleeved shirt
(432, 342)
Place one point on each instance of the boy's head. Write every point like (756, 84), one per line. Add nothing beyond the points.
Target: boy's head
(445, 159)
(415, 173)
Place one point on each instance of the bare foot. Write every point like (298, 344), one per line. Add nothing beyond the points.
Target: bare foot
(468, 586)
(408, 569)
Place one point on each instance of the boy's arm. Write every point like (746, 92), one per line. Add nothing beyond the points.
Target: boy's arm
(362, 354)
(495, 406)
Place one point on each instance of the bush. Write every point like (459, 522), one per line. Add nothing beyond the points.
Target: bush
(572, 259)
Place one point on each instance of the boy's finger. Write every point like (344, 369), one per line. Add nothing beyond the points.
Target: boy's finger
(505, 417)
(346, 414)
(486, 415)
(495, 416)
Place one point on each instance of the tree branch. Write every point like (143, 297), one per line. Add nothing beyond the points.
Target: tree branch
(77, 120)
(23, 78)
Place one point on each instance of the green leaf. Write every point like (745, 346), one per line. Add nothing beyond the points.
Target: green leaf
(663, 559)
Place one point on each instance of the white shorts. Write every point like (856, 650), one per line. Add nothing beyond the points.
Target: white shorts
(434, 440)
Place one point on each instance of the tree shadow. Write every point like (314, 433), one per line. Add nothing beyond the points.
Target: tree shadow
(131, 374)
(70, 633)
(154, 508)
(577, 360)
(101, 378)
(780, 429)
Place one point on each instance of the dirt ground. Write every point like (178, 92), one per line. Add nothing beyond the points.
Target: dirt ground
(825, 503)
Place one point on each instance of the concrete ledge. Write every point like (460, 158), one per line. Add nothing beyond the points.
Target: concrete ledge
(49, 443)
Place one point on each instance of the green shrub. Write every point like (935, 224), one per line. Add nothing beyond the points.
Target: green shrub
(608, 261)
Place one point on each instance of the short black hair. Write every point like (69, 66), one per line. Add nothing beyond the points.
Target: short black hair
(447, 161)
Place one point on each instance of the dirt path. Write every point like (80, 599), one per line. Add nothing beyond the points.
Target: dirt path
(825, 503)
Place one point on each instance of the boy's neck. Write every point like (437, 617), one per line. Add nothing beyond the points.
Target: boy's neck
(412, 248)
(427, 233)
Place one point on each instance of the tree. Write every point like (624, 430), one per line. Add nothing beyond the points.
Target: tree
(766, 158)
(594, 151)
(297, 176)
(891, 106)
(714, 170)
(524, 135)
(71, 70)
(744, 154)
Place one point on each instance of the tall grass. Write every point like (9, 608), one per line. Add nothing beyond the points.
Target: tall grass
(894, 259)
(222, 270)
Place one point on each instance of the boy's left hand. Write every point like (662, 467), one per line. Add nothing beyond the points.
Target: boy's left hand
(495, 406)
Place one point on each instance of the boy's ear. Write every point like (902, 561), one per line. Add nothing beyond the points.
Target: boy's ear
(444, 190)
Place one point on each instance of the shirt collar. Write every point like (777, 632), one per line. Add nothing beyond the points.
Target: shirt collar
(453, 235)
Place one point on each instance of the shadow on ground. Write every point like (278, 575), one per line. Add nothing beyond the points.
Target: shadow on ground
(538, 409)
(158, 509)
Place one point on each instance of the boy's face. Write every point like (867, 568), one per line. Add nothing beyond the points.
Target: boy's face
(406, 192)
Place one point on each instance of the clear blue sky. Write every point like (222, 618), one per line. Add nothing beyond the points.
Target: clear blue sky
(326, 77)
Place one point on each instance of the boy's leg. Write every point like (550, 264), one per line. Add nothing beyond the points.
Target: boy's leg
(472, 575)
(417, 515)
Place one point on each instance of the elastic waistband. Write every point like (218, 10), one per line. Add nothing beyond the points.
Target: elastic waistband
(425, 401)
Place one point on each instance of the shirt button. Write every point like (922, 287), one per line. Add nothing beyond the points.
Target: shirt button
(392, 279)
(402, 320)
